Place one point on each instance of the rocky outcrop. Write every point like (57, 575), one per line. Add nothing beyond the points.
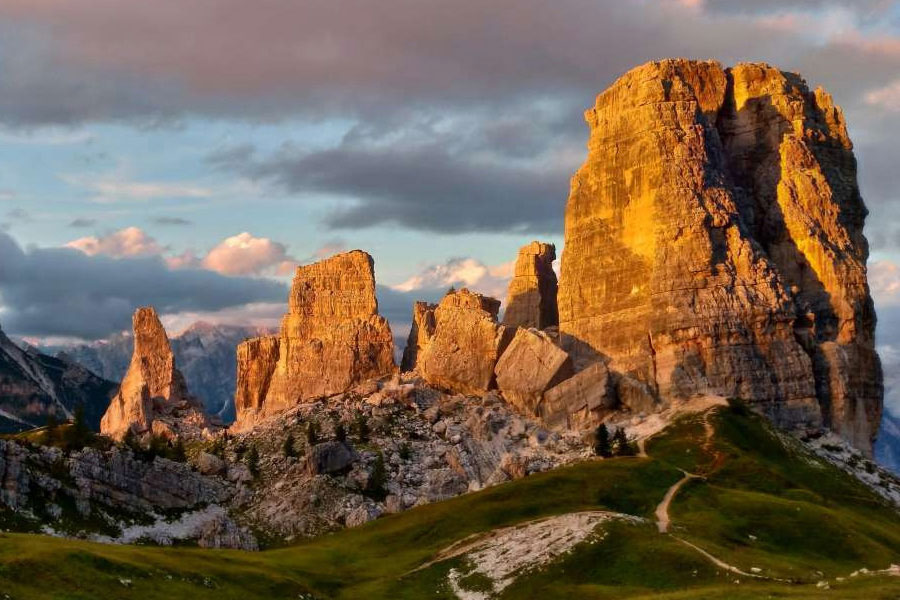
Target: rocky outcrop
(466, 343)
(531, 301)
(420, 334)
(204, 353)
(153, 397)
(34, 386)
(529, 366)
(331, 339)
(579, 402)
(714, 245)
(256, 362)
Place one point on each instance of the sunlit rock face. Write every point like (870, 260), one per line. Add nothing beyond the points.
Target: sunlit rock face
(153, 397)
(531, 301)
(331, 339)
(465, 344)
(714, 244)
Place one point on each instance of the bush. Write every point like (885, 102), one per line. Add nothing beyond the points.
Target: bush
(251, 459)
(312, 433)
(340, 432)
(621, 445)
(287, 447)
(405, 451)
(362, 428)
(602, 445)
(378, 478)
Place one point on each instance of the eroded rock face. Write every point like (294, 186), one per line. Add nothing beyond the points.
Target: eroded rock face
(420, 334)
(529, 366)
(466, 343)
(714, 245)
(531, 301)
(256, 362)
(331, 339)
(153, 395)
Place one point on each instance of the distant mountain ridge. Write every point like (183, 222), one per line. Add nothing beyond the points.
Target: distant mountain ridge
(204, 353)
(34, 386)
(887, 446)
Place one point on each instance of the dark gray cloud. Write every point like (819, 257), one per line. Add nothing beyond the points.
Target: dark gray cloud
(82, 222)
(449, 175)
(63, 292)
(171, 221)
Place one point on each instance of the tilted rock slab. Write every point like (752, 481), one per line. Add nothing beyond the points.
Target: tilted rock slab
(466, 343)
(529, 366)
(153, 396)
(531, 300)
(331, 339)
(714, 245)
(581, 401)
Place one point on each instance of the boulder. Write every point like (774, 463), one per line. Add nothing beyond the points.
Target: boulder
(329, 458)
(581, 401)
(714, 207)
(466, 344)
(529, 366)
(531, 301)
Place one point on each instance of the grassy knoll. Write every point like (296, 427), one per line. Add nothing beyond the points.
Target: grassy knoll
(765, 505)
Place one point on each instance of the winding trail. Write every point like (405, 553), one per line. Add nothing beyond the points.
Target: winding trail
(662, 511)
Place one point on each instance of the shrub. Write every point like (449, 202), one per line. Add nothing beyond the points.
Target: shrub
(251, 459)
(602, 445)
(375, 488)
(340, 432)
(312, 433)
(362, 428)
(287, 447)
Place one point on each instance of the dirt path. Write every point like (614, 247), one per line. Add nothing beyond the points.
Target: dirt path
(662, 511)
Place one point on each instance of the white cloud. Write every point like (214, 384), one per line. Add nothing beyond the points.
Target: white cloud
(462, 272)
(114, 189)
(884, 282)
(131, 241)
(244, 254)
(887, 97)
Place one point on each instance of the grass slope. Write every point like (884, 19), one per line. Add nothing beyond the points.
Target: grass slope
(764, 504)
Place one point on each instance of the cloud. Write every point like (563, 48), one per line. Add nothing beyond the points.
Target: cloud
(67, 293)
(244, 254)
(461, 272)
(82, 222)
(887, 97)
(171, 221)
(329, 248)
(884, 282)
(111, 189)
(131, 241)
(18, 214)
(448, 174)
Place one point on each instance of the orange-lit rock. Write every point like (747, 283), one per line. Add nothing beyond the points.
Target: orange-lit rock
(714, 245)
(420, 334)
(153, 396)
(331, 339)
(531, 300)
(466, 343)
(529, 366)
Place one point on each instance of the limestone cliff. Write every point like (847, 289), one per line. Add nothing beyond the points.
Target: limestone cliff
(531, 300)
(714, 244)
(332, 338)
(153, 396)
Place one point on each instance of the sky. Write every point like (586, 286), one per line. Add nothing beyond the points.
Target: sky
(190, 153)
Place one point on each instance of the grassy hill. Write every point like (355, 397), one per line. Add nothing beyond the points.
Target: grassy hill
(762, 519)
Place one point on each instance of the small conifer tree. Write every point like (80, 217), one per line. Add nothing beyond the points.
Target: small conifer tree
(602, 446)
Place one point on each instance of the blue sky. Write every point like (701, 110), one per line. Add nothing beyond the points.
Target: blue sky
(239, 138)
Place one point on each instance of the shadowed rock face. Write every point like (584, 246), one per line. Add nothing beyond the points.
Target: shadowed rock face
(420, 334)
(331, 339)
(714, 245)
(153, 395)
(531, 301)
